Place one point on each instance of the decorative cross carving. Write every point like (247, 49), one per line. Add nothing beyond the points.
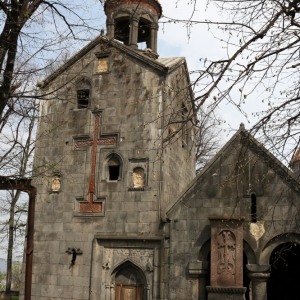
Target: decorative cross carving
(92, 206)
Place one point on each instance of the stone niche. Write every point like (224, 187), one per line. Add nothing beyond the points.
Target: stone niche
(122, 269)
(55, 183)
(226, 258)
(138, 177)
(138, 174)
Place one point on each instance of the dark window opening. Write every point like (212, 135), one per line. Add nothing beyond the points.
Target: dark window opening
(122, 30)
(253, 209)
(114, 172)
(83, 98)
(143, 32)
(114, 169)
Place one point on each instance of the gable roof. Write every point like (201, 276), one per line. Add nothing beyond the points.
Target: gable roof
(162, 65)
(248, 140)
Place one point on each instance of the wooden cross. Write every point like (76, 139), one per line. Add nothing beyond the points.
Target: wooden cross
(91, 206)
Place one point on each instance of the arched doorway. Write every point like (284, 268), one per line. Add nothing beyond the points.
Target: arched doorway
(285, 272)
(130, 283)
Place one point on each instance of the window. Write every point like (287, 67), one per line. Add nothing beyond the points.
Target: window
(185, 136)
(114, 169)
(253, 208)
(83, 97)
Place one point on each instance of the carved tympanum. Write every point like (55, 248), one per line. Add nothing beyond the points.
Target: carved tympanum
(226, 252)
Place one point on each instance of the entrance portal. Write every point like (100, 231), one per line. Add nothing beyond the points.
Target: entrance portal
(130, 283)
(285, 272)
(129, 292)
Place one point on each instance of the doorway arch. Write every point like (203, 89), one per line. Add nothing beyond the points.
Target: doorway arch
(285, 272)
(130, 282)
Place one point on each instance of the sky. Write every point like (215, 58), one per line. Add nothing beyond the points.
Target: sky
(201, 43)
(174, 40)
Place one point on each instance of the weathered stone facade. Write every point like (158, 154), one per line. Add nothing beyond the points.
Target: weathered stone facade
(119, 214)
(104, 181)
(242, 168)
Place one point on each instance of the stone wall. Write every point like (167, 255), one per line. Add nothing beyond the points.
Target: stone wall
(128, 99)
(222, 189)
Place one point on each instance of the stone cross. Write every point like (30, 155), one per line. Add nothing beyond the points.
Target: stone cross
(226, 258)
(92, 206)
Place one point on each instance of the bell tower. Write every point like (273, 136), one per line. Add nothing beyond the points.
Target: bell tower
(133, 22)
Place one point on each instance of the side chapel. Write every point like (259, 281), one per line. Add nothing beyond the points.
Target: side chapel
(119, 217)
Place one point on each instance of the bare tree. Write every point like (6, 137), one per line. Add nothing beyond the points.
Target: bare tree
(17, 146)
(19, 38)
(261, 39)
(207, 138)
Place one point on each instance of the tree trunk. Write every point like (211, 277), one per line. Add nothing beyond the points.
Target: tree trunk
(14, 199)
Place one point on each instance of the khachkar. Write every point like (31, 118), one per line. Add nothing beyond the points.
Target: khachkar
(226, 259)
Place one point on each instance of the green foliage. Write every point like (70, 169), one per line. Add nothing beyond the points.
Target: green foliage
(16, 275)
(2, 280)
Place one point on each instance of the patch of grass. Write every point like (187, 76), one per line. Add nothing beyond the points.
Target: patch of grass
(15, 298)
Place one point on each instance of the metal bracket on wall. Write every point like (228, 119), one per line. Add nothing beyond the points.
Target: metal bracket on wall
(74, 252)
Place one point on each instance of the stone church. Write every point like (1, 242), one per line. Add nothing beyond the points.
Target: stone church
(120, 214)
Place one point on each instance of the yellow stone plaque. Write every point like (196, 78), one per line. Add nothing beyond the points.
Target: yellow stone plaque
(102, 64)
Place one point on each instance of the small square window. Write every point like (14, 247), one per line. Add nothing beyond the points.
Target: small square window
(83, 97)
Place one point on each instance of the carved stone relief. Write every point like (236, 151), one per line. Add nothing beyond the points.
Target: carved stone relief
(226, 252)
(55, 183)
(102, 64)
(141, 257)
(257, 229)
(138, 178)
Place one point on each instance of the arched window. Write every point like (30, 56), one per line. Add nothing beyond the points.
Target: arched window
(83, 98)
(114, 169)
(83, 88)
(253, 208)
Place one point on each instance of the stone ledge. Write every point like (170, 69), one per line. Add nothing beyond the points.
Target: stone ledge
(136, 189)
(224, 289)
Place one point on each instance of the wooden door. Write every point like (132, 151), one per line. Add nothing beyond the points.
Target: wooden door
(129, 292)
